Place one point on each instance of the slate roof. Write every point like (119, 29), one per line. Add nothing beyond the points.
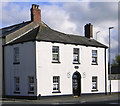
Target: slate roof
(7, 30)
(34, 31)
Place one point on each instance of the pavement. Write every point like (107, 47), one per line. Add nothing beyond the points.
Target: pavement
(83, 99)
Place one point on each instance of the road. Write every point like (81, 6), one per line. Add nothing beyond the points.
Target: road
(65, 100)
(59, 103)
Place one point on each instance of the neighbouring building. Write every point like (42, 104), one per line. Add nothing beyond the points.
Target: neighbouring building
(40, 61)
(115, 78)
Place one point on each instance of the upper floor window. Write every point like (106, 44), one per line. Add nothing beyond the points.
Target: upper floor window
(31, 84)
(75, 55)
(16, 55)
(55, 54)
(94, 57)
(17, 84)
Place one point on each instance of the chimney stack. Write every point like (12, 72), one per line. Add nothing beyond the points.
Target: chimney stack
(35, 13)
(88, 30)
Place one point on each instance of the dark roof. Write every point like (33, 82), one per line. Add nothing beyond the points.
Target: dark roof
(7, 30)
(42, 32)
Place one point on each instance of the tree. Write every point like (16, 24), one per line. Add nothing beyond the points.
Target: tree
(116, 61)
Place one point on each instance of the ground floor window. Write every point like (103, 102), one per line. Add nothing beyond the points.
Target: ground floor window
(31, 84)
(17, 84)
(94, 83)
(56, 84)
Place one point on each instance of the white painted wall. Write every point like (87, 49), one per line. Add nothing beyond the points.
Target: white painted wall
(46, 69)
(42, 68)
(25, 69)
(115, 85)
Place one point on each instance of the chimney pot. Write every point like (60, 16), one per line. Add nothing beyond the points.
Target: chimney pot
(35, 13)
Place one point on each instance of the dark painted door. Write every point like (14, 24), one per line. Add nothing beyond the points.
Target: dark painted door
(76, 84)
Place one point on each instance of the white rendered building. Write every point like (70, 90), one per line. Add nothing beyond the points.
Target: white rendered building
(40, 61)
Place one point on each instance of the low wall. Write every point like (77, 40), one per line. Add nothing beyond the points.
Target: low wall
(115, 85)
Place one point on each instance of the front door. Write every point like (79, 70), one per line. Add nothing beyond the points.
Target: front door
(76, 79)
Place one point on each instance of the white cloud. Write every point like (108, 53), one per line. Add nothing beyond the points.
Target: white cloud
(13, 14)
(70, 18)
(57, 19)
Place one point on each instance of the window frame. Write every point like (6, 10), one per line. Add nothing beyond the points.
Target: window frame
(17, 85)
(55, 52)
(94, 83)
(16, 59)
(31, 85)
(76, 54)
(56, 84)
(95, 56)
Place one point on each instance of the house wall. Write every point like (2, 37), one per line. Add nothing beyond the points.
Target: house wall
(36, 60)
(23, 70)
(45, 69)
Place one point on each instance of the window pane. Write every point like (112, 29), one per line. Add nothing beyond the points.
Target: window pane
(57, 87)
(31, 83)
(31, 87)
(76, 55)
(16, 54)
(16, 84)
(75, 58)
(55, 53)
(55, 79)
(55, 56)
(94, 56)
(94, 86)
(94, 59)
(94, 82)
(56, 83)
(17, 87)
(55, 49)
(94, 52)
(31, 79)
(76, 50)
(54, 86)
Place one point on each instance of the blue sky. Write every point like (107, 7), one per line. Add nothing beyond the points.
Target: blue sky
(68, 17)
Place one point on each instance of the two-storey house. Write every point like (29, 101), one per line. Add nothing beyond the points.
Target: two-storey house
(40, 61)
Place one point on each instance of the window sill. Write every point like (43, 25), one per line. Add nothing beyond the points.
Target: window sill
(30, 92)
(56, 92)
(76, 63)
(16, 92)
(94, 64)
(56, 62)
(16, 63)
(94, 90)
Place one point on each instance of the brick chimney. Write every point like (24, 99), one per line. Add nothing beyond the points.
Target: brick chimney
(35, 13)
(88, 30)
